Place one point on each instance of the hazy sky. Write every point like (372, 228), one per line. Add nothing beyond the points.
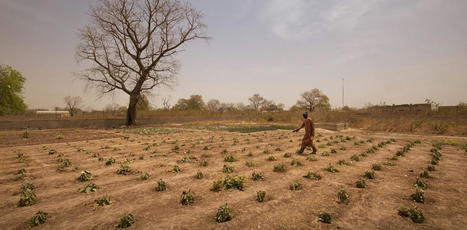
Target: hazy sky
(395, 51)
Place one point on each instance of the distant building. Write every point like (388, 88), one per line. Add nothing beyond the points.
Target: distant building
(416, 108)
(53, 113)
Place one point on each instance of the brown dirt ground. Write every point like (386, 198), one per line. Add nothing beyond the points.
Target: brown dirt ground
(374, 207)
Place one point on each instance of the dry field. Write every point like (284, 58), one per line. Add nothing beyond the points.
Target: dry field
(54, 159)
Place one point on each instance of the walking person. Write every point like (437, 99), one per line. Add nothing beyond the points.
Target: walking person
(307, 140)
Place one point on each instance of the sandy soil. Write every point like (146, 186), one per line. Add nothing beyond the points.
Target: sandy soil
(374, 207)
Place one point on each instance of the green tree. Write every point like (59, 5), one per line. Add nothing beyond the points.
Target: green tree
(11, 87)
(195, 102)
(143, 104)
(313, 99)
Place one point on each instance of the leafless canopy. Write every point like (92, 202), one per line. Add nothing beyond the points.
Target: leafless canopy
(130, 45)
(73, 104)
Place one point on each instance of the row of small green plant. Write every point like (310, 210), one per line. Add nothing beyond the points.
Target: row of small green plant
(416, 214)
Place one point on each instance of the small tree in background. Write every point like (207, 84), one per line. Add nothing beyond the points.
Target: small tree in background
(314, 99)
(195, 102)
(213, 105)
(11, 87)
(256, 101)
(73, 104)
(143, 104)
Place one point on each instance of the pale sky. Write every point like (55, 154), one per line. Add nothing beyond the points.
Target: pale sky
(395, 51)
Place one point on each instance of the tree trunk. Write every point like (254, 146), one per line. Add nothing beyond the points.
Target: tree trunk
(131, 113)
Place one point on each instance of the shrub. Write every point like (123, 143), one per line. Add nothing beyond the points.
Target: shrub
(361, 183)
(234, 182)
(388, 163)
(311, 158)
(287, 155)
(60, 136)
(343, 196)
(110, 161)
(203, 163)
(223, 214)
(313, 176)
(176, 169)
(260, 196)
(126, 221)
(199, 175)
(425, 174)
(161, 186)
(227, 169)
(271, 158)
(400, 154)
(257, 175)
(145, 176)
(420, 184)
(229, 158)
(216, 185)
(333, 151)
(332, 169)
(369, 174)
(296, 162)
(278, 149)
(91, 187)
(279, 168)
(295, 186)
(52, 151)
(39, 218)
(249, 154)
(376, 167)
(187, 198)
(418, 196)
(27, 197)
(124, 169)
(103, 201)
(250, 164)
(431, 168)
(434, 161)
(325, 154)
(85, 176)
(343, 162)
(355, 158)
(415, 214)
(325, 217)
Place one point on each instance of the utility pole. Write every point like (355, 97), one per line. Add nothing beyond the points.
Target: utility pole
(343, 104)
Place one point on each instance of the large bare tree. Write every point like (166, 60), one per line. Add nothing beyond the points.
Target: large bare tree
(130, 45)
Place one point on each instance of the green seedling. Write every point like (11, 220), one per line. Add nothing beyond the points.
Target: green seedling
(39, 218)
(257, 175)
(279, 168)
(223, 214)
(161, 186)
(126, 221)
(85, 176)
(91, 187)
(313, 176)
(295, 186)
(103, 201)
(260, 195)
(187, 197)
(324, 217)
